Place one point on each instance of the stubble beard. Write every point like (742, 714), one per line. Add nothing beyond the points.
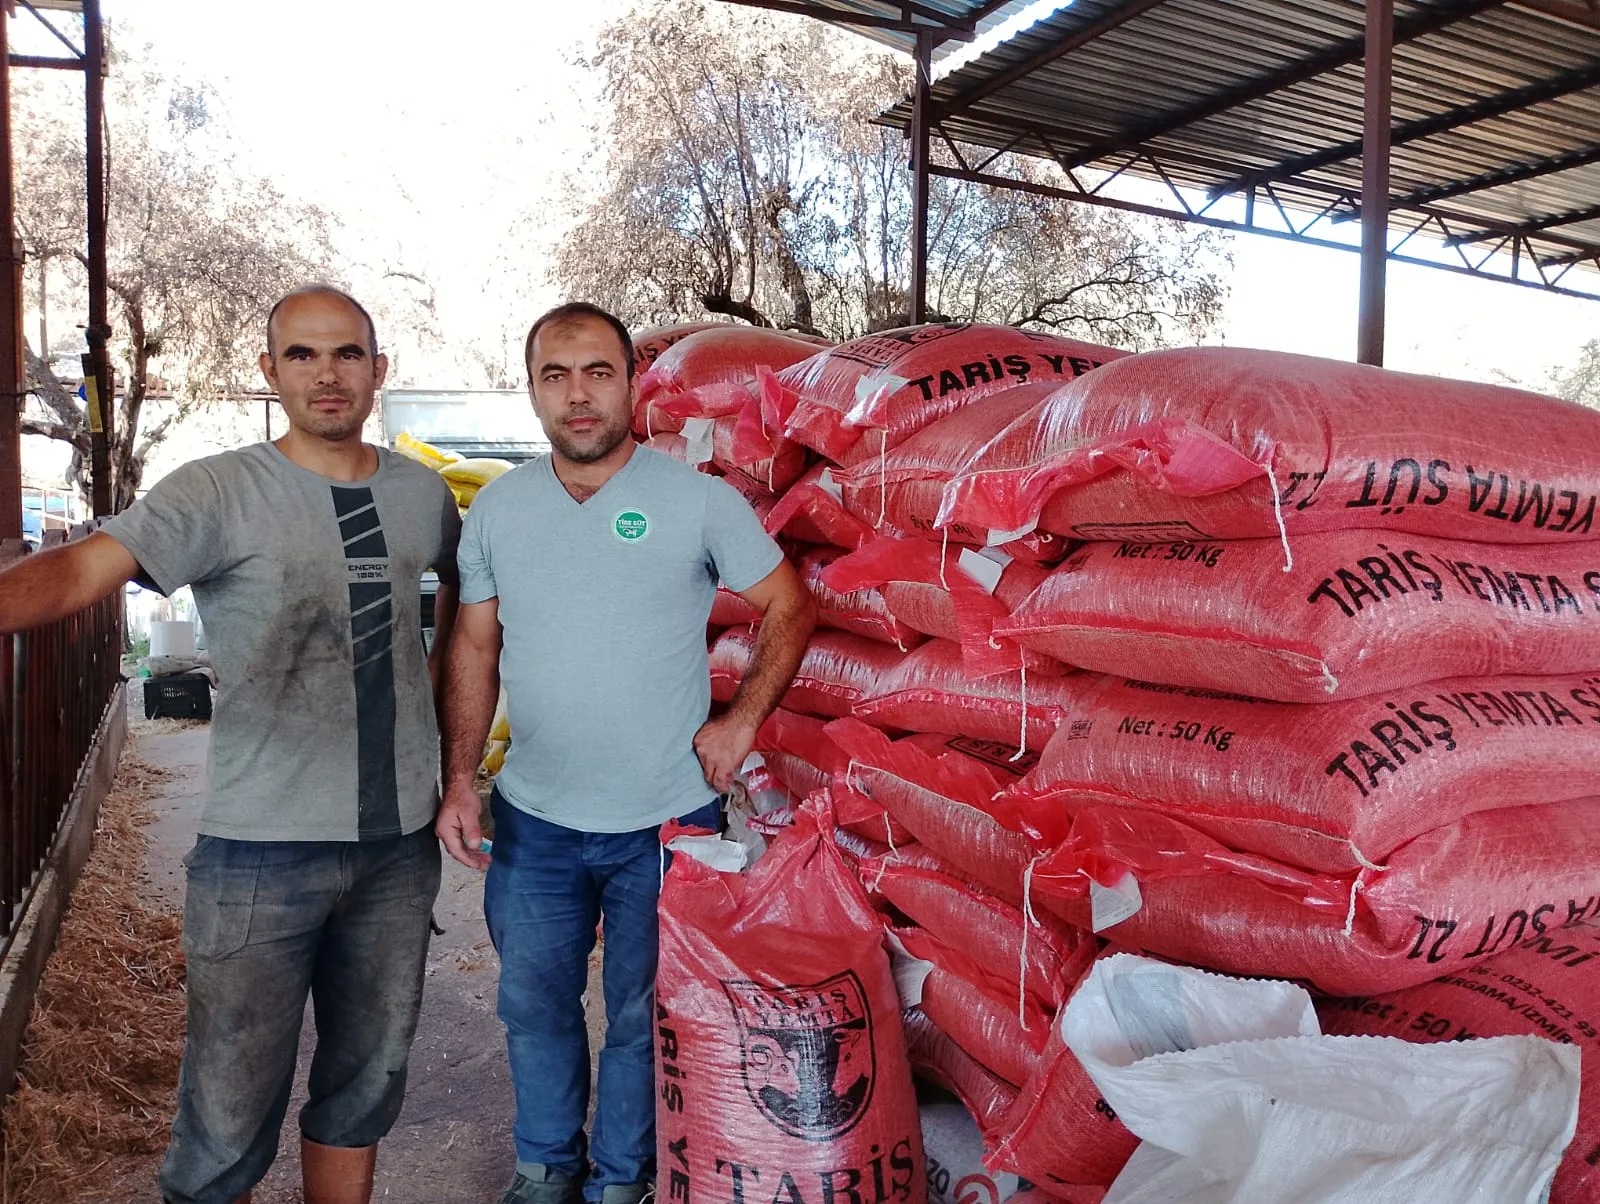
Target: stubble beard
(597, 447)
(335, 427)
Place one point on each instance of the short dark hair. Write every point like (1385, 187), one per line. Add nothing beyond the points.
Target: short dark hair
(325, 290)
(579, 309)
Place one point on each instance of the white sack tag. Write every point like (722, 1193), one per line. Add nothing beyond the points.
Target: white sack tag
(697, 433)
(910, 973)
(981, 569)
(1110, 905)
(996, 538)
(829, 486)
(724, 856)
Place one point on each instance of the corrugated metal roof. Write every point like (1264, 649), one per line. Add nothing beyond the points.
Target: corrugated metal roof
(945, 18)
(1224, 94)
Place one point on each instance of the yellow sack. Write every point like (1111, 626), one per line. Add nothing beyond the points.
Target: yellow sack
(475, 473)
(463, 495)
(501, 729)
(423, 453)
(494, 756)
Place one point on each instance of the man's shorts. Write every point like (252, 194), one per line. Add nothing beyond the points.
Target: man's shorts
(265, 923)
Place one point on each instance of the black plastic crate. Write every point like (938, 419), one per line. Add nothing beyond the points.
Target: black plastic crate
(180, 696)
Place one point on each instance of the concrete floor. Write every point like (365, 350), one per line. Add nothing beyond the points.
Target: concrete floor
(453, 1140)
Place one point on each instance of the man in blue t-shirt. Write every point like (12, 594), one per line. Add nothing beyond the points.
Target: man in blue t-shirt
(586, 583)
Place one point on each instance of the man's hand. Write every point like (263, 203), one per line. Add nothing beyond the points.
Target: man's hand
(458, 828)
(723, 744)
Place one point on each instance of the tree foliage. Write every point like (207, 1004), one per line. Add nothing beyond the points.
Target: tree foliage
(197, 251)
(1581, 381)
(745, 177)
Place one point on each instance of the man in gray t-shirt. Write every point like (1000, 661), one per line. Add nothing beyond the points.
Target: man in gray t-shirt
(587, 579)
(316, 864)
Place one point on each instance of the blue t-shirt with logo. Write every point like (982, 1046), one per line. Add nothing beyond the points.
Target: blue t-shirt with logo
(604, 605)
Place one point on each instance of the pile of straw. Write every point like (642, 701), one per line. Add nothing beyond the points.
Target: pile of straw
(94, 1097)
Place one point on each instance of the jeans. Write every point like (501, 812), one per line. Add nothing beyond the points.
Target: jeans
(264, 924)
(546, 890)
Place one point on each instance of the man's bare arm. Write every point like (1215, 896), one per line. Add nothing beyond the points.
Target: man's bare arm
(444, 621)
(472, 687)
(788, 616)
(46, 586)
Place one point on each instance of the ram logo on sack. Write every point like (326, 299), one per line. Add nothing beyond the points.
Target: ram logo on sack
(808, 1058)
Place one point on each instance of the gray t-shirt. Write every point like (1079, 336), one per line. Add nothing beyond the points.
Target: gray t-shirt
(604, 606)
(309, 590)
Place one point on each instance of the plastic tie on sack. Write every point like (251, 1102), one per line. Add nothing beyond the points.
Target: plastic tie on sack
(1362, 860)
(883, 476)
(1022, 740)
(944, 552)
(1028, 920)
(1277, 514)
(1350, 916)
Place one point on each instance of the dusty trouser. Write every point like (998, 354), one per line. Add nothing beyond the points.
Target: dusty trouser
(546, 890)
(265, 924)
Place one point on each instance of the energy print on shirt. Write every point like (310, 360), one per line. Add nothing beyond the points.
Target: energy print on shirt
(366, 557)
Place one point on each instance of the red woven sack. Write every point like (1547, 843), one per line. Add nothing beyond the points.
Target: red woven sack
(861, 610)
(953, 593)
(728, 609)
(903, 488)
(798, 752)
(937, 1058)
(649, 344)
(1333, 787)
(989, 932)
(1454, 896)
(930, 690)
(1061, 1134)
(984, 1026)
(863, 397)
(714, 451)
(810, 511)
(1222, 443)
(1360, 613)
(712, 372)
(1549, 986)
(944, 801)
(838, 671)
(780, 1056)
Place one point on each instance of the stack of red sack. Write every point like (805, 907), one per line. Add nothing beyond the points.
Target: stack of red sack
(844, 452)
(1342, 714)
(1350, 728)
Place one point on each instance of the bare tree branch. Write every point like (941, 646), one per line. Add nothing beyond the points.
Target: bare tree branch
(54, 430)
(47, 387)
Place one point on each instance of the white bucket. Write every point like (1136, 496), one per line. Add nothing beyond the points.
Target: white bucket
(170, 637)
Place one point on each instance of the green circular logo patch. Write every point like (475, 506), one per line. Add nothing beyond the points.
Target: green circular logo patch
(631, 526)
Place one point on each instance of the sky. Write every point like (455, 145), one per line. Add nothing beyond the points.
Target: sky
(399, 116)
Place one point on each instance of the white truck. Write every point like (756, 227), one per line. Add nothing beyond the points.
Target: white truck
(497, 423)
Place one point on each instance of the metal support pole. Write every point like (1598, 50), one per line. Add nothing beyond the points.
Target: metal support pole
(919, 179)
(100, 399)
(11, 377)
(1378, 81)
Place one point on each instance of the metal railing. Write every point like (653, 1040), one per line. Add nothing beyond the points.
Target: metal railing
(56, 682)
